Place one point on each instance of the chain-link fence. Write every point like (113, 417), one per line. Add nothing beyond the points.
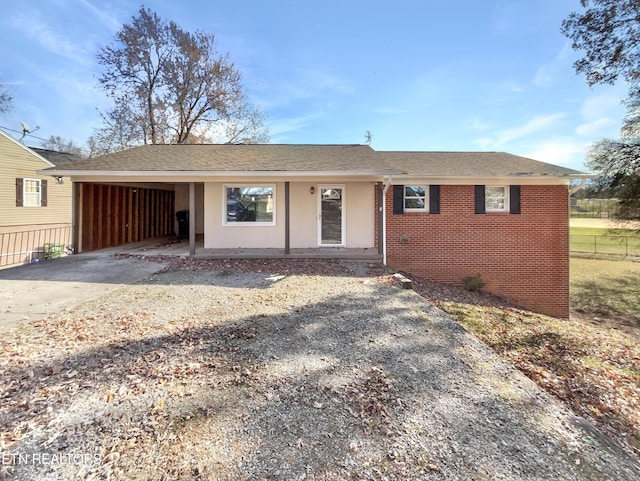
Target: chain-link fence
(619, 245)
(595, 208)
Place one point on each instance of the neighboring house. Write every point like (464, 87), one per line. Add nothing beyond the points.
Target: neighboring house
(35, 210)
(441, 215)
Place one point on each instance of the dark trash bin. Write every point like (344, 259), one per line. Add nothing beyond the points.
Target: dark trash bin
(183, 224)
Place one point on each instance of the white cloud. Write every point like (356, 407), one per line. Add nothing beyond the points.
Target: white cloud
(601, 115)
(477, 124)
(594, 128)
(281, 126)
(306, 84)
(505, 18)
(49, 39)
(511, 86)
(535, 125)
(561, 151)
(112, 23)
(599, 105)
(547, 74)
(544, 76)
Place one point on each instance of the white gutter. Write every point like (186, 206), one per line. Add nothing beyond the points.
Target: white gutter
(214, 173)
(386, 184)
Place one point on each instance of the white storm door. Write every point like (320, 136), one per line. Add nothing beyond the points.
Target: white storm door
(331, 225)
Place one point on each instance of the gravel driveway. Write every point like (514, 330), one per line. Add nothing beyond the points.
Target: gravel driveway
(275, 370)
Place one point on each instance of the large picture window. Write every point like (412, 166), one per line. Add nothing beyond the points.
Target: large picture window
(253, 204)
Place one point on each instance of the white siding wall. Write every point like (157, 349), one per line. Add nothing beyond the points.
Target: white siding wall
(303, 215)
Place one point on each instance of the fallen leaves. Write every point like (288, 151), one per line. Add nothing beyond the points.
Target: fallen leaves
(165, 388)
(595, 372)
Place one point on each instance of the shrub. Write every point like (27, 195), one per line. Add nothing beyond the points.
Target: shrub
(473, 283)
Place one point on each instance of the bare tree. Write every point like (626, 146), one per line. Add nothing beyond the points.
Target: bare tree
(6, 99)
(58, 144)
(172, 86)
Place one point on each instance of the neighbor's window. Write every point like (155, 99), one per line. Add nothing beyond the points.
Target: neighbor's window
(31, 193)
(415, 198)
(496, 198)
(249, 203)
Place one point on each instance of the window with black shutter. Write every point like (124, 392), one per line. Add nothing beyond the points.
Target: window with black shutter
(479, 197)
(514, 199)
(398, 199)
(434, 199)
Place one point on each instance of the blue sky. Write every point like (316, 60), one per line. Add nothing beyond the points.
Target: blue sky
(460, 75)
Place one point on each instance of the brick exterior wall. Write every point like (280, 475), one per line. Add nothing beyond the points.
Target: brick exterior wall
(521, 257)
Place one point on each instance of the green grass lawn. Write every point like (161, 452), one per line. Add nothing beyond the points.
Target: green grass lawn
(606, 288)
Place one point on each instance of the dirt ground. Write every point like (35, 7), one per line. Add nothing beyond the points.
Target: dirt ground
(212, 370)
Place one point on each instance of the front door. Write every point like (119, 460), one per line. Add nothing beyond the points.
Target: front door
(331, 222)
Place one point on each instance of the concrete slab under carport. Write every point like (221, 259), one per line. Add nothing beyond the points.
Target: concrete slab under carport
(35, 291)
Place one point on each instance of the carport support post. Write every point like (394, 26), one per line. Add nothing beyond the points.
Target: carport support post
(287, 241)
(192, 218)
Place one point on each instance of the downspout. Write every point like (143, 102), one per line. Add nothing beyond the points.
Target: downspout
(583, 182)
(575, 189)
(385, 188)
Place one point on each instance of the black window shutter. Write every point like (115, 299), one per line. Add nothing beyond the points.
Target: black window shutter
(480, 208)
(434, 199)
(398, 199)
(19, 191)
(514, 199)
(43, 193)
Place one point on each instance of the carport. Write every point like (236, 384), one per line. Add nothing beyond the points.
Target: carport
(109, 215)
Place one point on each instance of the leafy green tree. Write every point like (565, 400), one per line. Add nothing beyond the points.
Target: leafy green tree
(608, 33)
(618, 164)
(172, 86)
(618, 161)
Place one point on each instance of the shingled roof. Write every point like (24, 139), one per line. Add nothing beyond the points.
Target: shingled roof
(55, 157)
(235, 158)
(303, 158)
(472, 164)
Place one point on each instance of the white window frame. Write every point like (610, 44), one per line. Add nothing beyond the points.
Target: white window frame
(505, 198)
(31, 199)
(425, 199)
(257, 223)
